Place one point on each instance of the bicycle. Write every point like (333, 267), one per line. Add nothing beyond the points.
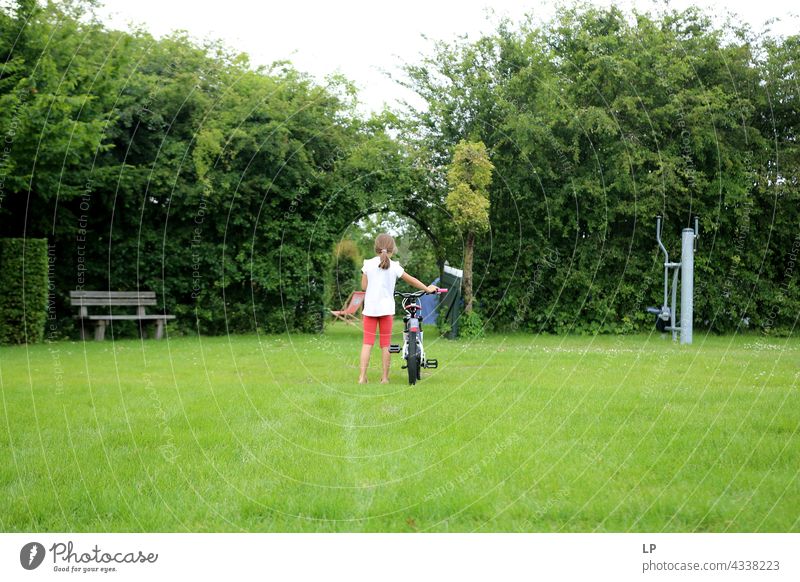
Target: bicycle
(413, 349)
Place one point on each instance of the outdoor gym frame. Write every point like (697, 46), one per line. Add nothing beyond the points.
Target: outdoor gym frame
(666, 314)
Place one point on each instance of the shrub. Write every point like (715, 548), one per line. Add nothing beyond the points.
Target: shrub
(470, 325)
(445, 329)
(23, 290)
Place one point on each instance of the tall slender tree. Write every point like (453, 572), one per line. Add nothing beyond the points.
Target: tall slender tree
(469, 176)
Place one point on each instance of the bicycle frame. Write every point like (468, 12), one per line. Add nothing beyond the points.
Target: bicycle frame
(412, 324)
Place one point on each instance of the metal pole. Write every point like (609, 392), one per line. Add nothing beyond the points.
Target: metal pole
(673, 310)
(666, 259)
(687, 284)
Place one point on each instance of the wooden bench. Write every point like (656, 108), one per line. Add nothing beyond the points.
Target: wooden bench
(109, 299)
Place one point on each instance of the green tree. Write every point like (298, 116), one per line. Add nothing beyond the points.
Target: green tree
(469, 177)
(174, 166)
(599, 120)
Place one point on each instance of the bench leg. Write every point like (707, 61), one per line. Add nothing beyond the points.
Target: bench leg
(142, 329)
(83, 323)
(100, 330)
(159, 328)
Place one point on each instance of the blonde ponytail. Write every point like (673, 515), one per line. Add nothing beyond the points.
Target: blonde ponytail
(384, 245)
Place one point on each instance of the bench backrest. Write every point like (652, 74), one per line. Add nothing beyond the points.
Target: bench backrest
(106, 298)
(84, 299)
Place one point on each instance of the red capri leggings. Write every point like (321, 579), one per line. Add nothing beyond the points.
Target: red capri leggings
(370, 323)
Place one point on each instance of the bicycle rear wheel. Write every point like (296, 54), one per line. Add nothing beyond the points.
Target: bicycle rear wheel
(412, 363)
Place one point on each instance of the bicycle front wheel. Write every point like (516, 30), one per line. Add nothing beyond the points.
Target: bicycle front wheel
(412, 363)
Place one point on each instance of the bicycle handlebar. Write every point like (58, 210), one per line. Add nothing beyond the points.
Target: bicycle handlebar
(418, 293)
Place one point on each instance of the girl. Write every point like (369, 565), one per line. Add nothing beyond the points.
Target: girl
(378, 279)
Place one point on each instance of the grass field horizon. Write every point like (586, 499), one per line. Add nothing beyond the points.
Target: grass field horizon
(511, 433)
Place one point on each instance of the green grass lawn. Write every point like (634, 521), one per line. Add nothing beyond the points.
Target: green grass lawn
(521, 433)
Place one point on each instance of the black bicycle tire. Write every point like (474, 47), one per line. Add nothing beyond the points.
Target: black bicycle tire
(413, 358)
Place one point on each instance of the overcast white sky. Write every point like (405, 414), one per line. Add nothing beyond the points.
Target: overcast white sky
(361, 38)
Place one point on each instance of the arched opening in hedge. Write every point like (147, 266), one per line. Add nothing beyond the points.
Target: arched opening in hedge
(419, 250)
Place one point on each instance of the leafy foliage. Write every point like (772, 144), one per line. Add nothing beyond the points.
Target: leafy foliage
(471, 325)
(180, 168)
(169, 165)
(597, 121)
(469, 209)
(469, 175)
(24, 285)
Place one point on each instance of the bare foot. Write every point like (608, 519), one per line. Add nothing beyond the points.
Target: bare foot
(362, 380)
(384, 380)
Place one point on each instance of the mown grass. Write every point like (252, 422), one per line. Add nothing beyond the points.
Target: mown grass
(519, 433)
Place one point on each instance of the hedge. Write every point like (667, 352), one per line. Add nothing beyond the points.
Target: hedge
(23, 290)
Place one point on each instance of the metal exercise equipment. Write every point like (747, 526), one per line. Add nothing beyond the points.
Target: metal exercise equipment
(666, 314)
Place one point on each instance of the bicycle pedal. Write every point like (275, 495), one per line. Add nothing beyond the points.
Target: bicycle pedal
(394, 348)
(431, 363)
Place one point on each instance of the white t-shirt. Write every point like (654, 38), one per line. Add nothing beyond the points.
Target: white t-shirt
(379, 299)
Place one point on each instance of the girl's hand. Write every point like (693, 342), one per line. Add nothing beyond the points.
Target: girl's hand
(431, 289)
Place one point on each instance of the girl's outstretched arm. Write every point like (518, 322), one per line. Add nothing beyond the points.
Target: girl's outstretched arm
(414, 282)
(363, 281)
